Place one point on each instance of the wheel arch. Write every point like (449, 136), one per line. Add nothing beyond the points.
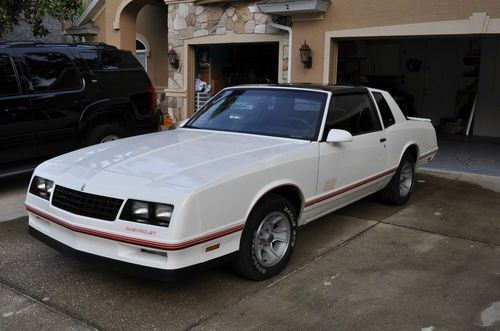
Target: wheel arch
(289, 191)
(106, 111)
(411, 148)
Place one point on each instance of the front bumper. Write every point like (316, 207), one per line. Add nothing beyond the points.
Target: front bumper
(110, 242)
(125, 267)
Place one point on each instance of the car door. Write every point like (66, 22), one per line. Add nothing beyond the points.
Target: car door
(350, 170)
(17, 137)
(57, 98)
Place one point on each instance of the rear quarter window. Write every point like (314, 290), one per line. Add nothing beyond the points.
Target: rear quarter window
(385, 110)
(52, 71)
(9, 85)
(110, 60)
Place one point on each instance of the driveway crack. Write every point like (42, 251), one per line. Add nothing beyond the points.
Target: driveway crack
(47, 306)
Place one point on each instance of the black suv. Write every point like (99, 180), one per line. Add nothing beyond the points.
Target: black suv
(57, 97)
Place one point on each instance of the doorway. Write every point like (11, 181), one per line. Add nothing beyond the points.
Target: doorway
(223, 65)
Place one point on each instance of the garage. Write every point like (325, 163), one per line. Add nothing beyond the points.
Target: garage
(222, 65)
(451, 80)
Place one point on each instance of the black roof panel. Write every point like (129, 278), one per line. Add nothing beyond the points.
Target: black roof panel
(31, 44)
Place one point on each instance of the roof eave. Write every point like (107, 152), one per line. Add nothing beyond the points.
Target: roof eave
(88, 14)
(290, 8)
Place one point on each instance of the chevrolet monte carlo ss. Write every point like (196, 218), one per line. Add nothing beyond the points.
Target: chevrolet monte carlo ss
(234, 182)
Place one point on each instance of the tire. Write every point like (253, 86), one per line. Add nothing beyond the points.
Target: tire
(399, 189)
(255, 259)
(104, 133)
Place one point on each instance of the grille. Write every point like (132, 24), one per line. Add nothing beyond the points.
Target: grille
(85, 204)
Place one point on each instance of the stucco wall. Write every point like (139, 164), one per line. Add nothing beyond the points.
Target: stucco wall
(152, 24)
(100, 21)
(348, 14)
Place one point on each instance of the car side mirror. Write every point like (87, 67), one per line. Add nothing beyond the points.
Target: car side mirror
(338, 136)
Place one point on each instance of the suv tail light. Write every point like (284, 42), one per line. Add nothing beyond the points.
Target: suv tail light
(152, 98)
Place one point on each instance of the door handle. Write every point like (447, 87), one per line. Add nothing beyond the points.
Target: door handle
(383, 140)
(16, 111)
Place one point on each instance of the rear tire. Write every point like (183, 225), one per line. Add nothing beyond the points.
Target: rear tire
(268, 239)
(104, 133)
(399, 189)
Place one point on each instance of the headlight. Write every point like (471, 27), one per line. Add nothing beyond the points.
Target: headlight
(147, 212)
(41, 187)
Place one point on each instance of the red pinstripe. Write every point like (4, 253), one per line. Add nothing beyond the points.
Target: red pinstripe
(427, 154)
(348, 188)
(136, 241)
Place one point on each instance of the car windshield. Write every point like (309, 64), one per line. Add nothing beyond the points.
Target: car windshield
(289, 113)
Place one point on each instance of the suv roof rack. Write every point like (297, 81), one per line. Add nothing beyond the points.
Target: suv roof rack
(6, 44)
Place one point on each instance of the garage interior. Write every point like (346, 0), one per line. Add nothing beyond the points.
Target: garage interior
(225, 65)
(454, 81)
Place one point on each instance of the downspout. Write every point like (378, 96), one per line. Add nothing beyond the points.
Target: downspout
(289, 30)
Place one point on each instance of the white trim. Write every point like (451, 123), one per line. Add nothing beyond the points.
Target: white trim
(145, 42)
(119, 10)
(121, 7)
(90, 12)
(290, 34)
(477, 23)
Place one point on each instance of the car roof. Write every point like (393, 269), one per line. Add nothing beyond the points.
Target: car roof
(35, 44)
(320, 87)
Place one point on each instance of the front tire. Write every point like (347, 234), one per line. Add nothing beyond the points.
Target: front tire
(268, 239)
(399, 189)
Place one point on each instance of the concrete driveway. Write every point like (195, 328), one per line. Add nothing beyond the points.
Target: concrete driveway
(430, 265)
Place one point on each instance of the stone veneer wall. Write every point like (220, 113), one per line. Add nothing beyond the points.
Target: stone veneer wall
(187, 20)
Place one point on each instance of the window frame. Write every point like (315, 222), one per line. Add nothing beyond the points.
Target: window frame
(317, 129)
(32, 91)
(376, 116)
(16, 74)
(100, 53)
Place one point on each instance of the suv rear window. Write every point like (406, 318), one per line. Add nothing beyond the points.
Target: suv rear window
(9, 81)
(110, 60)
(52, 72)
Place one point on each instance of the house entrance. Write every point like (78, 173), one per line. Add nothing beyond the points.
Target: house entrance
(222, 65)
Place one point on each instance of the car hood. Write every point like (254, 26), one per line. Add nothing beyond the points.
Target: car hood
(183, 157)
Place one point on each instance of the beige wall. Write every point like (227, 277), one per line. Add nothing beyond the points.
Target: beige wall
(349, 14)
(137, 17)
(100, 21)
(152, 24)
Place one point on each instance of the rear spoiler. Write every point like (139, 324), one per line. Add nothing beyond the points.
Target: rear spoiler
(418, 119)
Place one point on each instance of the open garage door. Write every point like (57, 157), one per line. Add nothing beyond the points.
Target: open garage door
(447, 79)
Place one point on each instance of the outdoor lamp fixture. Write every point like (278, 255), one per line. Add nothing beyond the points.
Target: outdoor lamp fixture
(173, 59)
(305, 55)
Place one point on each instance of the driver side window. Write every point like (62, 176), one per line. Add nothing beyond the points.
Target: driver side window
(353, 113)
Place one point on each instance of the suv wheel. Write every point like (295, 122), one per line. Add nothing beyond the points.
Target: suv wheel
(104, 133)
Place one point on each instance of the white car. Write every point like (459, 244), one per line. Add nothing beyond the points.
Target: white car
(234, 182)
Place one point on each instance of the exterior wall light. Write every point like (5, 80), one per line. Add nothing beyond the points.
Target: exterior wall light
(173, 59)
(305, 55)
